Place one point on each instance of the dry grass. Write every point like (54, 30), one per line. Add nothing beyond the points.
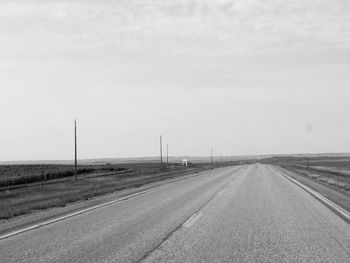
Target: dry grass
(24, 174)
(334, 171)
(28, 198)
(327, 175)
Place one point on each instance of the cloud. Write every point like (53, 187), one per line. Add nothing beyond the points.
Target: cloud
(174, 26)
(251, 67)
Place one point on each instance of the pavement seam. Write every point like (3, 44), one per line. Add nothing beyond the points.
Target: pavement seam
(149, 253)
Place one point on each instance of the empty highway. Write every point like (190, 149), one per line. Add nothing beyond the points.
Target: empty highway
(235, 214)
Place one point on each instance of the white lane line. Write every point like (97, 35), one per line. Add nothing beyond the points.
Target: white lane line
(57, 219)
(341, 211)
(192, 220)
(196, 216)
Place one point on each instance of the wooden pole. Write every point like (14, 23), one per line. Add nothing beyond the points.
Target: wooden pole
(75, 151)
(161, 151)
(167, 154)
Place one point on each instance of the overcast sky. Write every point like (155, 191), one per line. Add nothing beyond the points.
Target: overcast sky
(241, 76)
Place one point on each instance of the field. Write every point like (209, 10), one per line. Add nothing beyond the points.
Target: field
(24, 174)
(332, 171)
(28, 188)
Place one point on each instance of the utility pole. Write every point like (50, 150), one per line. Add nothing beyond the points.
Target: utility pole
(211, 156)
(161, 151)
(75, 150)
(167, 154)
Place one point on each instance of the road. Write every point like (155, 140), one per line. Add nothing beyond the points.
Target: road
(235, 214)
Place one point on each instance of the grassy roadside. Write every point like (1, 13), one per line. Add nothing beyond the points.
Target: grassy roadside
(333, 171)
(327, 175)
(332, 176)
(24, 199)
(331, 192)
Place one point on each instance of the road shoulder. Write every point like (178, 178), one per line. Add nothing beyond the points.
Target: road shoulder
(336, 196)
(22, 222)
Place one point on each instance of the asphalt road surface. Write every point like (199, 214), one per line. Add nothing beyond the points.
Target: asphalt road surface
(236, 214)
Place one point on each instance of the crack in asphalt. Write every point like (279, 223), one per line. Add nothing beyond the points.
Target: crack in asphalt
(144, 257)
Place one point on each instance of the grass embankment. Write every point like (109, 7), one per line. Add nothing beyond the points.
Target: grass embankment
(335, 177)
(332, 171)
(25, 198)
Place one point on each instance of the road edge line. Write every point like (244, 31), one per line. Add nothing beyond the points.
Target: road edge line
(61, 218)
(79, 212)
(341, 212)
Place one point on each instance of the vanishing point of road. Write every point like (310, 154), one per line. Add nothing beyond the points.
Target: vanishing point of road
(234, 214)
